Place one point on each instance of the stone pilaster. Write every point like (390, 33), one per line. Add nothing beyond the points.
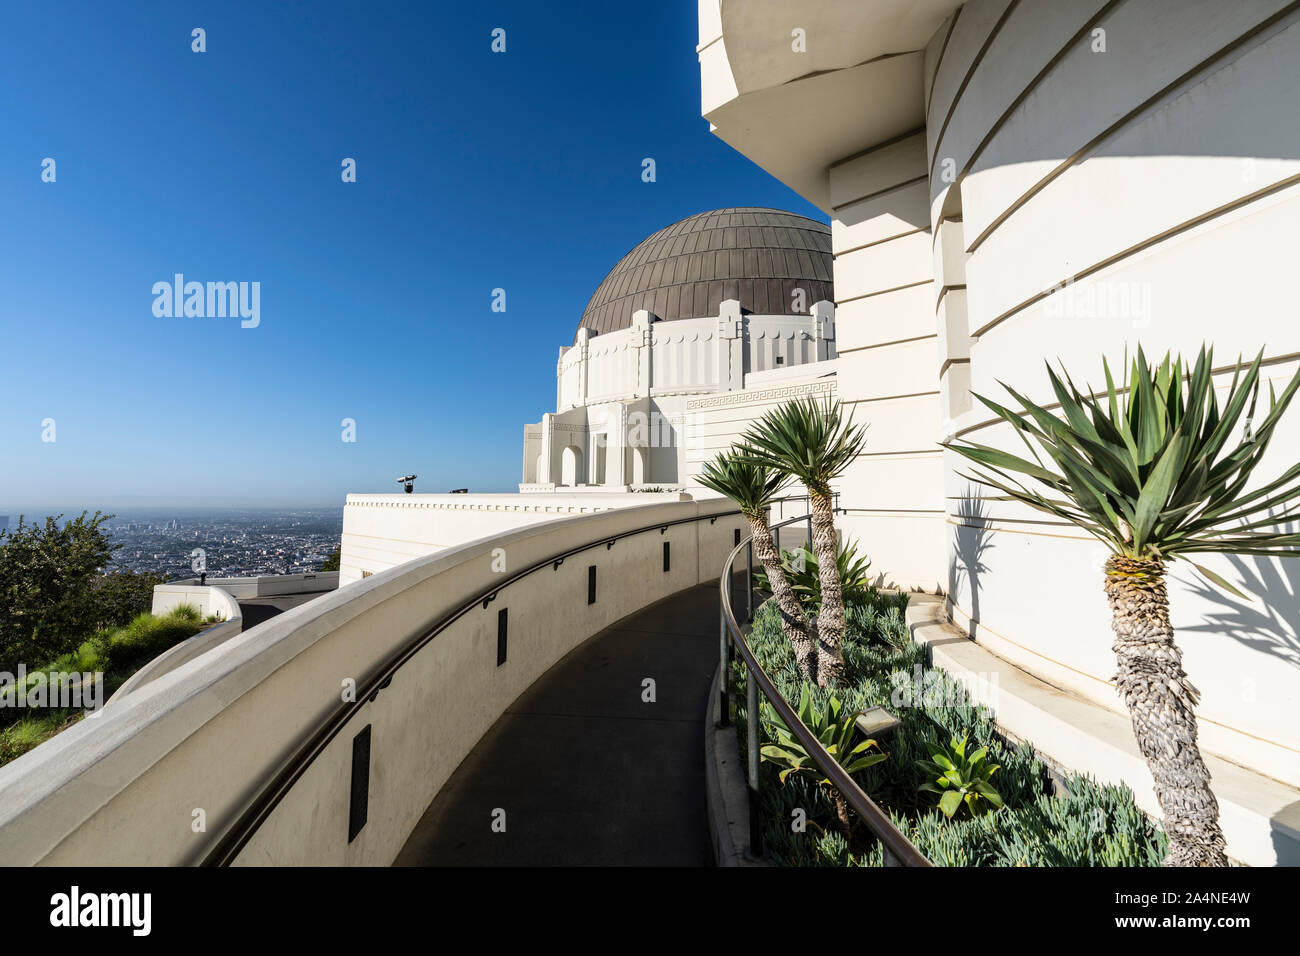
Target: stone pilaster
(823, 329)
(546, 465)
(731, 347)
(642, 340)
(582, 343)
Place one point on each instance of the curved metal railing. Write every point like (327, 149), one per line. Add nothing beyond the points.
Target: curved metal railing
(256, 811)
(898, 849)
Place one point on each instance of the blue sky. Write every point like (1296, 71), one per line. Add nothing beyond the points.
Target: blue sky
(475, 170)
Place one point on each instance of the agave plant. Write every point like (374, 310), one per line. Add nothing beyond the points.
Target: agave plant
(814, 443)
(801, 568)
(752, 487)
(835, 731)
(960, 779)
(1151, 470)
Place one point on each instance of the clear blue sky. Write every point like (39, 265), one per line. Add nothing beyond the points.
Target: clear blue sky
(475, 171)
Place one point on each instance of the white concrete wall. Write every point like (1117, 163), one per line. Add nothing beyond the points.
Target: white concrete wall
(265, 585)
(889, 366)
(714, 423)
(1156, 187)
(1062, 181)
(684, 357)
(383, 531)
(123, 789)
(209, 600)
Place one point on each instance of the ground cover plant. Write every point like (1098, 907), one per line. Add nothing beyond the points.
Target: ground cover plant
(1091, 825)
(116, 652)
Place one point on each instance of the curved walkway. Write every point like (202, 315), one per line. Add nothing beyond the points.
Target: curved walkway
(586, 772)
(257, 610)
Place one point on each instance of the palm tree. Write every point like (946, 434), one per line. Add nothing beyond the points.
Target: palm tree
(814, 443)
(1148, 475)
(752, 487)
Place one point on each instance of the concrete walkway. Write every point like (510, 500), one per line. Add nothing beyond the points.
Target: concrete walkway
(586, 772)
(257, 610)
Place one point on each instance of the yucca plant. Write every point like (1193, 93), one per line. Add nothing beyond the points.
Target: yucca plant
(960, 779)
(752, 487)
(813, 442)
(835, 730)
(805, 577)
(1154, 471)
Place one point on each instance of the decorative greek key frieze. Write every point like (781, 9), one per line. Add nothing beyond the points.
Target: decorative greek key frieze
(744, 397)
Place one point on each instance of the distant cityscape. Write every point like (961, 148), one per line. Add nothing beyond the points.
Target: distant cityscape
(235, 542)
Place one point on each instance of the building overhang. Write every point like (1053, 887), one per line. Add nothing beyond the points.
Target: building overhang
(858, 83)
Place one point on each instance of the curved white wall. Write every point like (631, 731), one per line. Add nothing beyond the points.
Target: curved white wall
(683, 357)
(1038, 181)
(209, 600)
(1155, 187)
(383, 531)
(126, 787)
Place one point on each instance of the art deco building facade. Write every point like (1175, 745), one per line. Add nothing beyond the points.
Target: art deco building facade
(1014, 182)
(694, 332)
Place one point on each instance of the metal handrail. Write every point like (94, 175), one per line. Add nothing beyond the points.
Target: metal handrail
(898, 849)
(260, 806)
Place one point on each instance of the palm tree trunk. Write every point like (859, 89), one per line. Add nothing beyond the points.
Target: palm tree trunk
(792, 617)
(830, 618)
(1161, 702)
(842, 815)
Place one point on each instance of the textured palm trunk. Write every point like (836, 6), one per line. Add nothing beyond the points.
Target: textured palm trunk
(842, 815)
(830, 618)
(1162, 702)
(792, 616)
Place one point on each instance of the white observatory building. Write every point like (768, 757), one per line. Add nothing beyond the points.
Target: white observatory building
(701, 327)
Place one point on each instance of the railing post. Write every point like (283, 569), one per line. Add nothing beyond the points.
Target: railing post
(749, 580)
(724, 714)
(810, 537)
(751, 726)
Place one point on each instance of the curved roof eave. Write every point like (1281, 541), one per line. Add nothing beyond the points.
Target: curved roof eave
(859, 83)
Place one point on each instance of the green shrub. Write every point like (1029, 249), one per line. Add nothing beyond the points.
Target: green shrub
(961, 779)
(121, 595)
(186, 612)
(148, 636)
(47, 593)
(804, 573)
(1094, 825)
(31, 729)
(833, 728)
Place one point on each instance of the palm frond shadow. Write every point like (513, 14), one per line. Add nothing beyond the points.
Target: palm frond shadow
(972, 540)
(1269, 623)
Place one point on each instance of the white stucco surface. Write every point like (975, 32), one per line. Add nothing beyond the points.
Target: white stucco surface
(1070, 184)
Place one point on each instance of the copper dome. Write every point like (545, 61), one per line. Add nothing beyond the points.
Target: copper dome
(757, 255)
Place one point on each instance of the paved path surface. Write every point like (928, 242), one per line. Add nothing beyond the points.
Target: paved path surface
(257, 610)
(586, 772)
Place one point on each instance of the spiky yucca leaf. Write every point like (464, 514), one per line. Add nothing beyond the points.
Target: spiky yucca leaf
(801, 568)
(1147, 468)
(812, 441)
(751, 485)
